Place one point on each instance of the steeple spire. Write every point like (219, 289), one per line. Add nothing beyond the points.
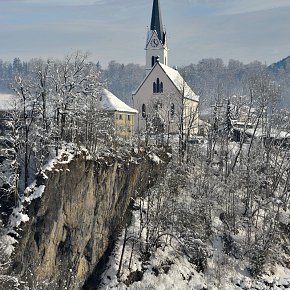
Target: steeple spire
(156, 43)
(156, 21)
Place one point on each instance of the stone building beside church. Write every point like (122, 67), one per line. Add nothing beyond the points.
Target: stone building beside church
(163, 98)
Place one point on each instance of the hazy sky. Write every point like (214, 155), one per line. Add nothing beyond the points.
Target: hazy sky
(246, 30)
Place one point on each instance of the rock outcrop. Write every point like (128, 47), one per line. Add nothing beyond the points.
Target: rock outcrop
(81, 210)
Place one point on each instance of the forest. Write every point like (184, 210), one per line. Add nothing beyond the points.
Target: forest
(209, 78)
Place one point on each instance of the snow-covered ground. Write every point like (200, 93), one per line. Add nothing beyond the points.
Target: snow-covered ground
(168, 268)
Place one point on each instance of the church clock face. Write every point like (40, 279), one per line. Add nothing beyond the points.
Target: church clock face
(154, 42)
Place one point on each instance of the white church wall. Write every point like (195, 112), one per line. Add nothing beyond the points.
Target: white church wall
(162, 102)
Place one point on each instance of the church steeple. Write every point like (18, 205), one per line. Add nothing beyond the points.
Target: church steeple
(156, 45)
(156, 21)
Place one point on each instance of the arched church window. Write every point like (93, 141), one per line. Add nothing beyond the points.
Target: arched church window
(154, 88)
(161, 87)
(152, 61)
(172, 110)
(143, 110)
(158, 85)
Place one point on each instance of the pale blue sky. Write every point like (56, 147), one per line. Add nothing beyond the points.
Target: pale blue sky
(246, 30)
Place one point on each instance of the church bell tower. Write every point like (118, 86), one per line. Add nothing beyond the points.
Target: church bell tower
(156, 44)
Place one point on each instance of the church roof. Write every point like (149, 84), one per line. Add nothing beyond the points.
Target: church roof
(109, 102)
(179, 82)
(156, 21)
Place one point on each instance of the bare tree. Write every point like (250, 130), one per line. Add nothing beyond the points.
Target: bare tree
(57, 103)
(7, 280)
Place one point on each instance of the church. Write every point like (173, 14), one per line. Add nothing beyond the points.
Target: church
(164, 100)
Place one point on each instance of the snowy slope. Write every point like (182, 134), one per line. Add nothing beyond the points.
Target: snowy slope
(169, 264)
(169, 269)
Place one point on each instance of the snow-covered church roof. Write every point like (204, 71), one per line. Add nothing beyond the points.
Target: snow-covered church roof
(179, 82)
(109, 102)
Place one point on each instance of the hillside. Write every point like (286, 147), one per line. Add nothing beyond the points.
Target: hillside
(282, 65)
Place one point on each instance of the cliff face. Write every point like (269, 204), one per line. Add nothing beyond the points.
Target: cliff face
(70, 227)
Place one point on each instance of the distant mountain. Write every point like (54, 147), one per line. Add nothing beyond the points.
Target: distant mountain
(282, 65)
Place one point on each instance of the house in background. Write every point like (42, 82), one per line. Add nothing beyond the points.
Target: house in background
(122, 115)
(163, 94)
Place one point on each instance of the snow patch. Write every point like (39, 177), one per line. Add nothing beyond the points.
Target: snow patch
(7, 245)
(37, 192)
(155, 158)
(17, 217)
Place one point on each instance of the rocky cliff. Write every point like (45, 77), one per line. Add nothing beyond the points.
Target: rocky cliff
(82, 208)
